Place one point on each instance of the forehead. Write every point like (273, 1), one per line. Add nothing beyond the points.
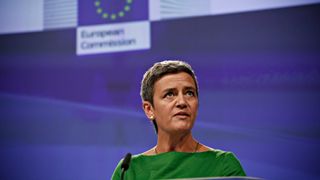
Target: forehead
(181, 79)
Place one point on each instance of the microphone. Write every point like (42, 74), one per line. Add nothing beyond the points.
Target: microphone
(125, 164)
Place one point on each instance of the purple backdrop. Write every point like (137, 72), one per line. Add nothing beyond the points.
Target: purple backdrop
(74, 117)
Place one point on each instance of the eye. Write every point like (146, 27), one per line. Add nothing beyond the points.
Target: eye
(190, 93)
(169, 94)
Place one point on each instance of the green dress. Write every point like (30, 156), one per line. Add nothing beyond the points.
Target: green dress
(171, 165)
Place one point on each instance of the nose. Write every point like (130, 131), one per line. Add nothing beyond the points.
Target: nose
(181, 102)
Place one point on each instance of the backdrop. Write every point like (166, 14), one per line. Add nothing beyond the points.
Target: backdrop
(69, 116)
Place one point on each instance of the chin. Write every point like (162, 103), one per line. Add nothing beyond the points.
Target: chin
(184, 129)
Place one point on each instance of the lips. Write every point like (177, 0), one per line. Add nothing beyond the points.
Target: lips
(182, 114)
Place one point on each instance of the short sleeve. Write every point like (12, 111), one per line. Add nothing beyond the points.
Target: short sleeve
(232, 166)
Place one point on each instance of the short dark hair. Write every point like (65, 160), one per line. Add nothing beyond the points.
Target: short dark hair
(157, 71)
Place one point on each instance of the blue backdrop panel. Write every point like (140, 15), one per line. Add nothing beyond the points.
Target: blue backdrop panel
(74, 117)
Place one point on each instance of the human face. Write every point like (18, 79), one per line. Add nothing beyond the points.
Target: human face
(175, 103)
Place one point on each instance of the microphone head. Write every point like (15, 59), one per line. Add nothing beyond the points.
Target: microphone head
(126, 162)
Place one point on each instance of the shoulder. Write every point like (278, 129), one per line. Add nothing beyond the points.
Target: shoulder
(148, 152)
(221, 155)
(136, 166)
(217, 154)
(117, 171)
(230, 163)
(227, 161)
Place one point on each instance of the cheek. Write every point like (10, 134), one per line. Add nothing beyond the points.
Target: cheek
(166, 111)
(162, 109)
(195, 107)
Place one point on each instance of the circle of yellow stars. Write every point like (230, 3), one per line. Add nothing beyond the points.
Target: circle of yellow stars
(113, 15)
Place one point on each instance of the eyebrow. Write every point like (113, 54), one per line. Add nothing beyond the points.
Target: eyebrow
(186, 88)
(190, 87)
(168, 89)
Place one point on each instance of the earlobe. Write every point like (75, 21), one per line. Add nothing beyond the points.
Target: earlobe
(148, 109)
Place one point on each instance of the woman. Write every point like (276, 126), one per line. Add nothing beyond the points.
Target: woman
(169, 91)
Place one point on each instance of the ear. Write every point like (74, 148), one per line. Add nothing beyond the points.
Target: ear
(148, 110)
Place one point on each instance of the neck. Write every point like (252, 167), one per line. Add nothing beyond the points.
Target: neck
(179, 143)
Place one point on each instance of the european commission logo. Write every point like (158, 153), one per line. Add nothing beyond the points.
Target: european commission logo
(111, 11)
(106, 26)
